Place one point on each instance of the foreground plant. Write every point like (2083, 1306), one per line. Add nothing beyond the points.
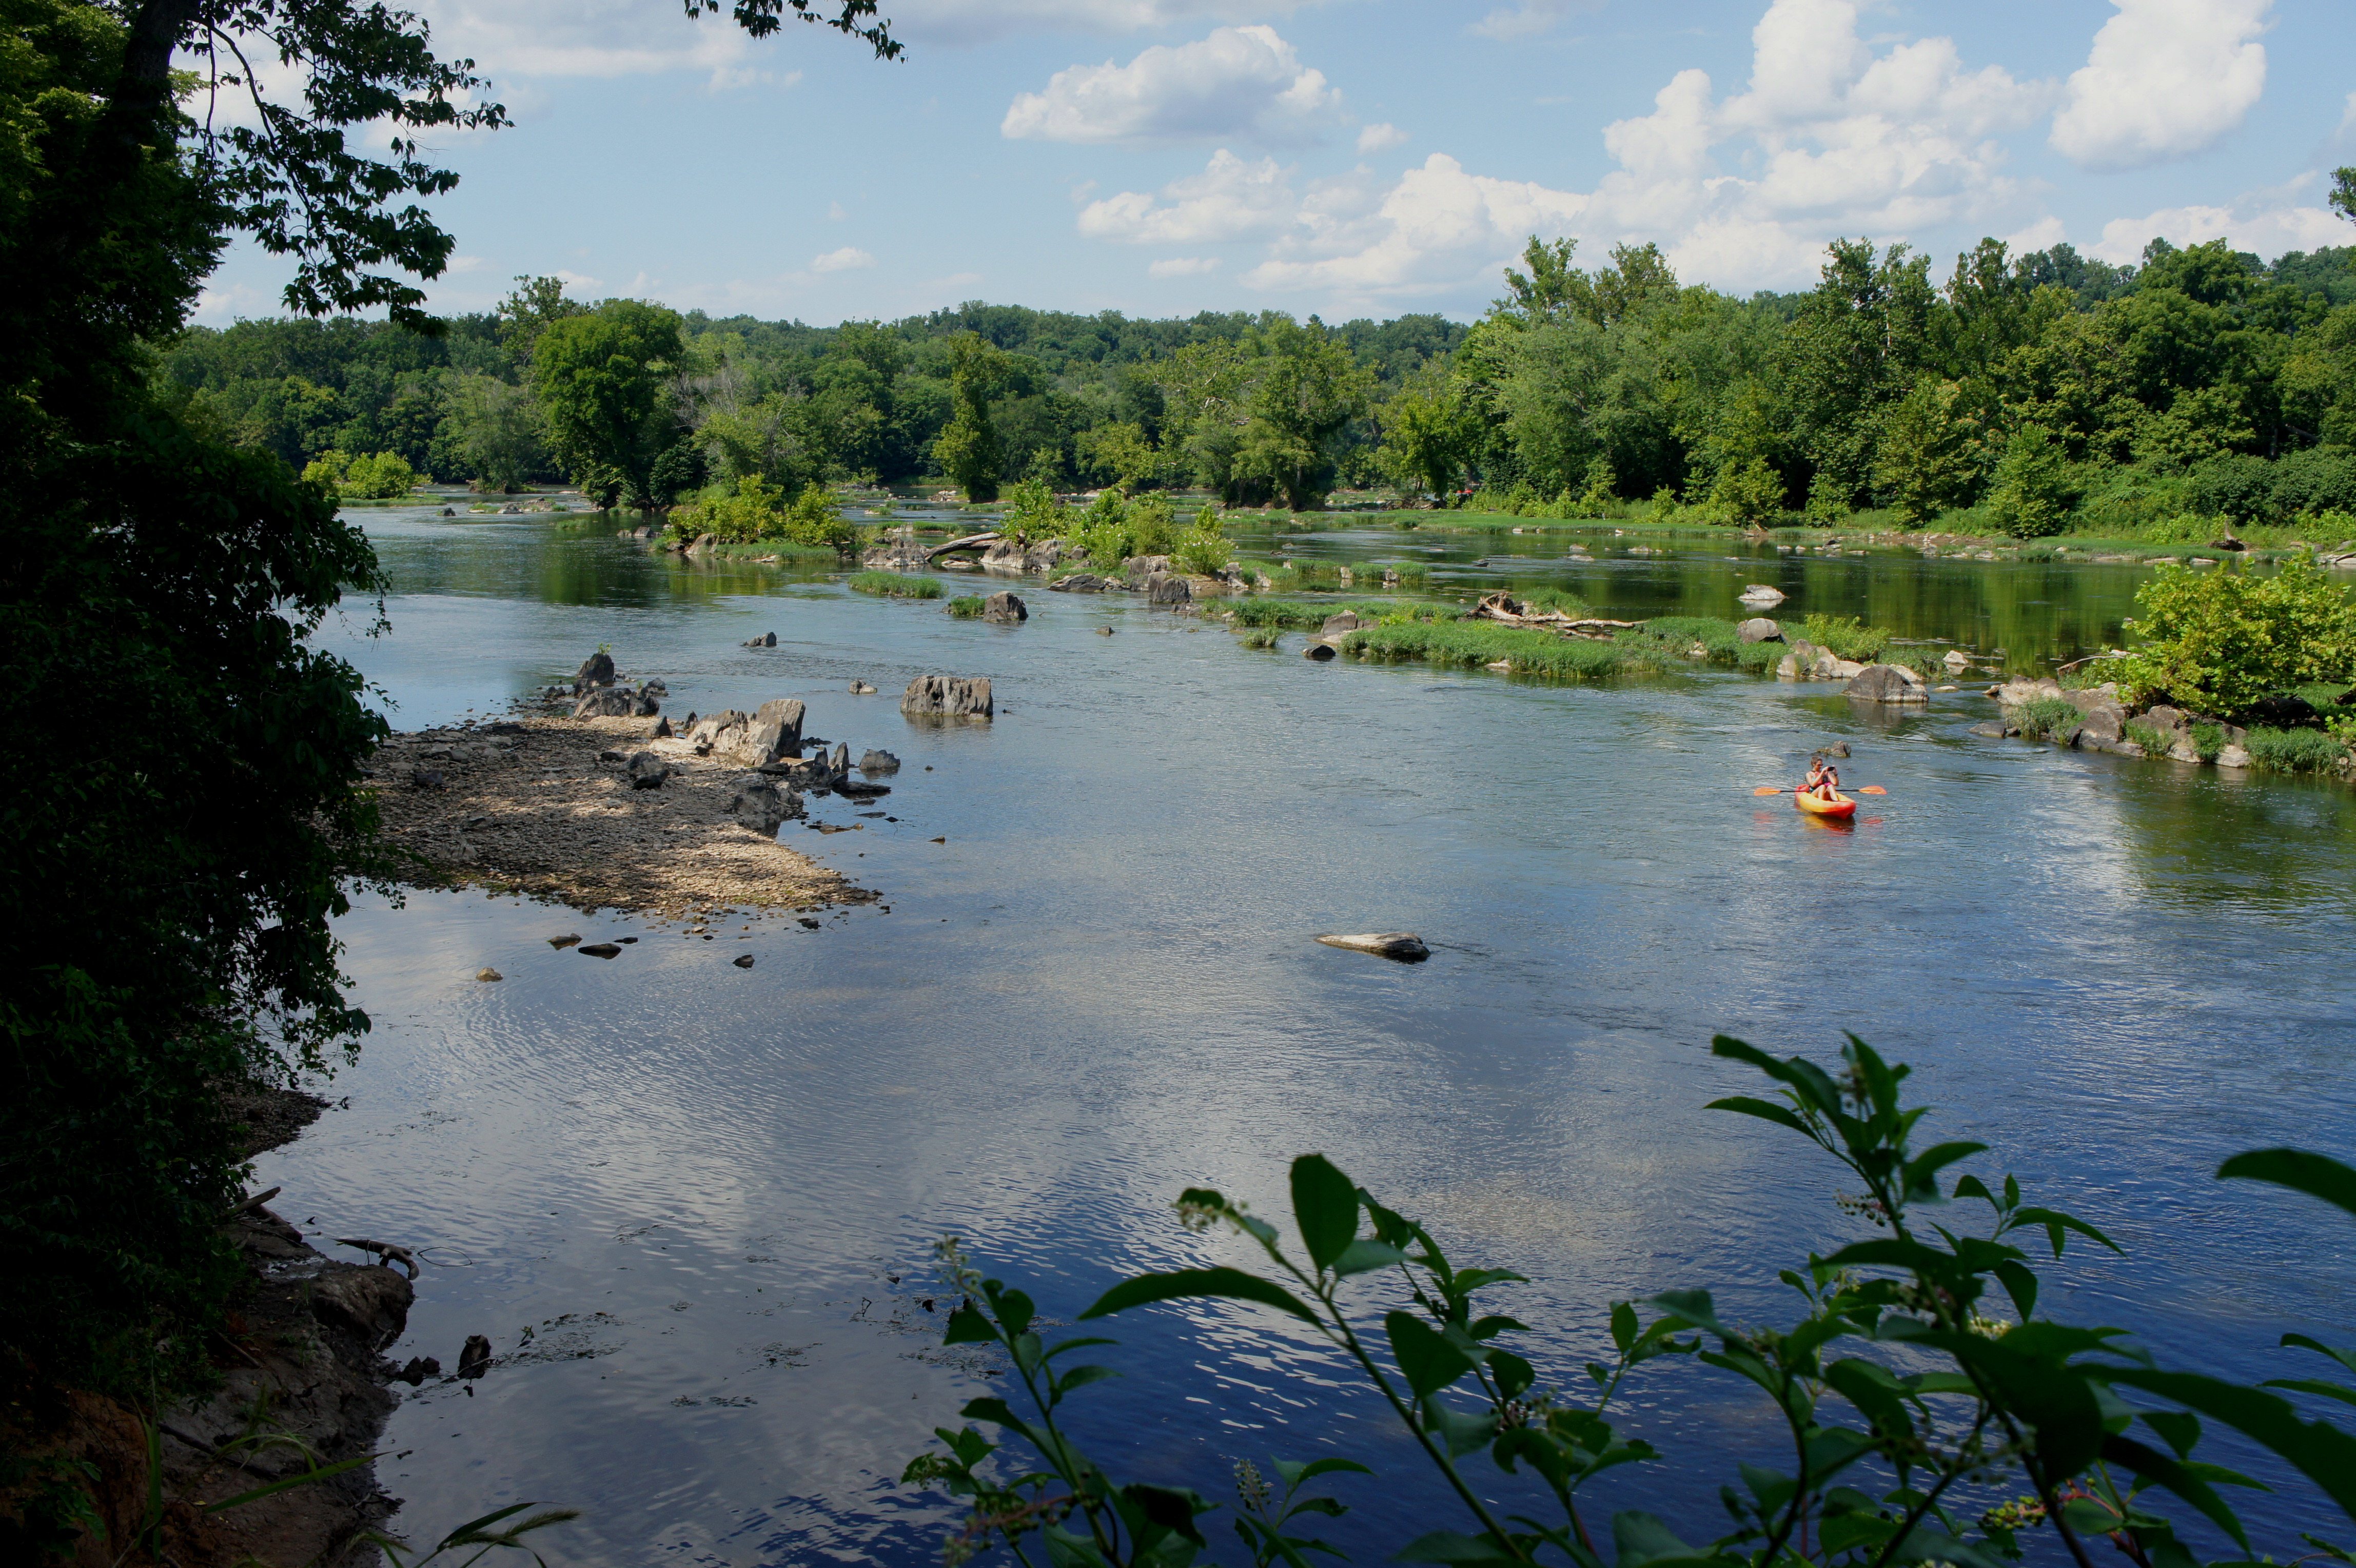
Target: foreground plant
(1933, 1415)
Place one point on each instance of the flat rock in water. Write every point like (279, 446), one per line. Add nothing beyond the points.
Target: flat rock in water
(1405, 946)
(1760, 594)
(569, 940)
(602, 949)
(1319, 652)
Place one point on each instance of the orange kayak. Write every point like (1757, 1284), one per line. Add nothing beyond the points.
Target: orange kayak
(1839, 806)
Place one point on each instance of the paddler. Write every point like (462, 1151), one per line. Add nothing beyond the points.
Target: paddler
(1824, 779)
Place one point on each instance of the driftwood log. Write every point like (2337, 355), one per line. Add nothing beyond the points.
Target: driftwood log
(970, 541)
(1507, 610)
(385, 1250)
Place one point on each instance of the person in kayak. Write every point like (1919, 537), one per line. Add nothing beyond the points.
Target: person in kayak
(1824, 780)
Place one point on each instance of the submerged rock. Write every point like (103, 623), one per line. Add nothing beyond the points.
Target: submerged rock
(862, 689)
(743, 961)
(766, 639)
(602, 949)
(1405, 946)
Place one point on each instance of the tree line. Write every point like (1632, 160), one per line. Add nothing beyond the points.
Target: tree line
(2033, 392)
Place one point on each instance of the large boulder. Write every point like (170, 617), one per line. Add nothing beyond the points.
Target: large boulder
(1759, 628)
(1082, 583)
(760, 805)
(368, 1300)
(597, 669)
(1004, 558)
(1043, 557)
(774, 732)
(1345, 620)
(723, 729)
(948, 697)
(1168, 588)
(1138, 569)
(1007, 609)
(1887, 683)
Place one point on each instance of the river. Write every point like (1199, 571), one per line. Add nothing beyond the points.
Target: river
(693, 1205)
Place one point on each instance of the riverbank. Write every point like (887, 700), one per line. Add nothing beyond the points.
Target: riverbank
(299, 1399)
(554, 808)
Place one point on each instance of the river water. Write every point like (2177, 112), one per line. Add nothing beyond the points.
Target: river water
(693, 1206)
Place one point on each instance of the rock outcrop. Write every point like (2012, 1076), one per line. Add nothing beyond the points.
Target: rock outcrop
(947, 696)
(1005, 608)
(1168, 588)
(1082, 583)
(1887, 683)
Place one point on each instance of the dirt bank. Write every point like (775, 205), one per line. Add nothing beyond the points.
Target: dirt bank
(543, 807)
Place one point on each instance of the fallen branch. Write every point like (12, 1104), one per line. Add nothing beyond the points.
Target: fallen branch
(250, 1204)
(970, 542)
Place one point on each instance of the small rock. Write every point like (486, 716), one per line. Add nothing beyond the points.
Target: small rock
(1992, 731)
(425, 779)
(609, 755)
(570, 939)
(1837, 748)
(1104, 631)
(419, 1369)
(766, 639)
(1957, 659)
(743, 961)
(474, 1358)
(602, 949)
(449, 512)
(2233, 756)
(370, 1300)
(947, 696)
(663, 730)
(1320, 651)
(489, 974)
(596, 670)
(1345, 620)
(862, 689)
(1405, 946)
(806, 921)
(645, 770)
(874, 762)
(1759, 628)
(1759, 594)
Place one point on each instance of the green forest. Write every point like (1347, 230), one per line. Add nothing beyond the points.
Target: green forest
(2030, 395)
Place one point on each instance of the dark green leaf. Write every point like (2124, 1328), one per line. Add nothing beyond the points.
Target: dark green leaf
(1325, 1206)
(1642, 1538)
(1695, 1309)
(1080, 1376)
(1875, 1392)
(1426, 1359)
(2301, 1342)
(1925, 1166)
(2179, 1429)
(1623, 1326)
(1015, 1310)
(2161, 1470)
(1167, 1508)
(1804, 1076)
(1766, 1110)
(1513, 1373)
(1451, 1546)
(1365, 1255)
(2020, 1284)
(317, 1473)
(2318, 1176)
(2322, 1453)
(2055, 1223)
(1180, 1284)
(2313, 1385)
(1333, 1465)
(969, 1326)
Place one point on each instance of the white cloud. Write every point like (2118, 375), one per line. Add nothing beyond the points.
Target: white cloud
(1230, 200)
(1832, 136)
(980, 21)
(1380, 139)
(848, 259)
(1237, 82)
(2266, 222)
(598, 38)
(2165, 79)
(1182, 267)
(1528, 19)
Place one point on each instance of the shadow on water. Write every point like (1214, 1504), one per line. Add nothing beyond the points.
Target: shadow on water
(711, 1192)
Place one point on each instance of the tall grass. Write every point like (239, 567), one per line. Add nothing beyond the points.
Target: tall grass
(1845, 636)
(895, 585)
(2294, 750)
(2042, 716)
(1676, 637)
(1472, 643)
(967, 606)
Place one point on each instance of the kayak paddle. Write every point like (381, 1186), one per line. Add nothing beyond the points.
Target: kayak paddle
(1788, 789)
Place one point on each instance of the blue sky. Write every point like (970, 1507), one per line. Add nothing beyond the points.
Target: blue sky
(1355, 157)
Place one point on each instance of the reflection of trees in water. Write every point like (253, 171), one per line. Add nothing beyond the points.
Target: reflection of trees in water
(576, 568)
(2281, 843)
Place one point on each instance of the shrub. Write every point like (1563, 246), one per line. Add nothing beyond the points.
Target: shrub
(896, 586)
(1033, 513)
(1932, 1406)
(379, 475)
(2220, 639)
(966, 607)
(2041, 718)
(755, 510)
(2154, 741)
(1202, 549)
(1847, 637)
(2294, 750)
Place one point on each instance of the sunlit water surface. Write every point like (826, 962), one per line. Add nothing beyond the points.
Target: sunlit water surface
(693, 1206)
